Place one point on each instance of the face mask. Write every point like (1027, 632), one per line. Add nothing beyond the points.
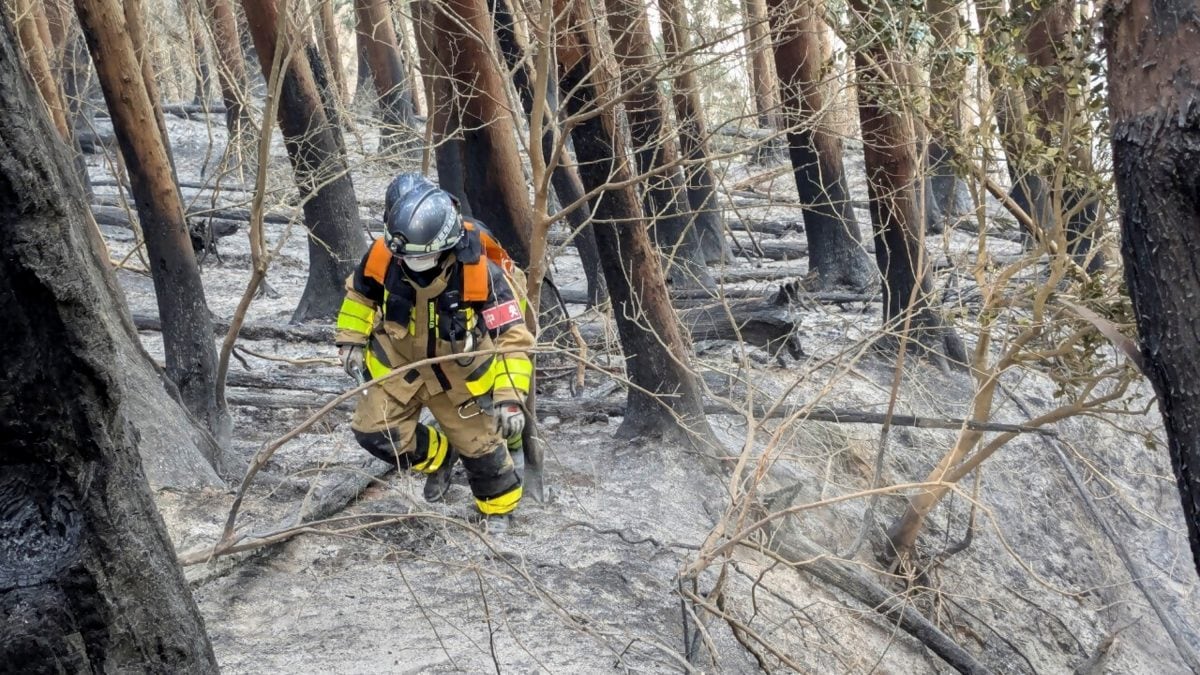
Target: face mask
(421, 263)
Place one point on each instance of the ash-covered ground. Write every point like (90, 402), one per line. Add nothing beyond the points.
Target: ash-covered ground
(590, 580)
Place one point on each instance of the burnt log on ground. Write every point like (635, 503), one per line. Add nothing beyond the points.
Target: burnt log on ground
(283, 399)
(255, 331)
(692, 297)
(201, 230)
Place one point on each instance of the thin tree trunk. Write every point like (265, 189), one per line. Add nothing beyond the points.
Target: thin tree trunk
(377, 37)
(231, 65)
(187, 326)
(330, 50)
(58, 17)
(1062, 123)
(443, 104)
(494, 180)
(764, 85)
(890, 154)
(835, 250)
(1153, 70)
(947, 192)
(693, 132)
(564, 178)
(1010, 109)
(656, 355)
(407, 56)
(203, 74)
(336, 241)
(36, 51)
(654, 149)
(94, 586)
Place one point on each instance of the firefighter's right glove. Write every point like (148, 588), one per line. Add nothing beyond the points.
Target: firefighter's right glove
(510, 419)
(352, 360)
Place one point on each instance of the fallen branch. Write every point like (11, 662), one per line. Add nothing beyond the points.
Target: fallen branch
(316, 333)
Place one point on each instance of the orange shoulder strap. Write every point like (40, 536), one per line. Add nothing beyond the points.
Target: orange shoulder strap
(475, 280)
(377, 261)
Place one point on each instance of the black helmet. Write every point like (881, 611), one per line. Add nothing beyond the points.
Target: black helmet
(420, 217)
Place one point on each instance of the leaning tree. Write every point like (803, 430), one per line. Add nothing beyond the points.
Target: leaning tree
(113, 37)
(88, 578)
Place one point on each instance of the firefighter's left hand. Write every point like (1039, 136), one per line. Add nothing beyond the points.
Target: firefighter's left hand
(510, 419)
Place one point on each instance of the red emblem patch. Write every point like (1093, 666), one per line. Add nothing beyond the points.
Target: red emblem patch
(502, 315)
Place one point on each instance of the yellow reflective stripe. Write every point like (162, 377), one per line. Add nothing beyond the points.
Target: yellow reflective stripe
(500, 505)
(375, 367)
(513, 373)
(355, 316)
(438, 445)
(504, 373)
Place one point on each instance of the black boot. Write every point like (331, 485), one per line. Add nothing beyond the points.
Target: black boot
(437, 484)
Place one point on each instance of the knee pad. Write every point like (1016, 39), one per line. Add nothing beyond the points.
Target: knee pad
(494, 481)
(428, 451)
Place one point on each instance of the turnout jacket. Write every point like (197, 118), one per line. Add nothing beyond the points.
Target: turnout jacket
(400, 321)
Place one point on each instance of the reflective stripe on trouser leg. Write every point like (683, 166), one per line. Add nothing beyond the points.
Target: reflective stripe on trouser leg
(432, 446)
(494, 482)
(426, 454)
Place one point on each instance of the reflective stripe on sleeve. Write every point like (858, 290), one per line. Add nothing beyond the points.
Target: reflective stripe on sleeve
(355, 316)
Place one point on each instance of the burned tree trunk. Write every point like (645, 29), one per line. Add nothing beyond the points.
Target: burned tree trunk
(187, 326)
(890, 154)
(443, 104)
(693, 134)
(1153, 68)
(656, 357)
(231, 65)
(377, 39)
(763, 83)
(1073, 206)
(564, 178)
(654, 149)
(88, 578)
(494, 180)
(835, 250)
(335, 242)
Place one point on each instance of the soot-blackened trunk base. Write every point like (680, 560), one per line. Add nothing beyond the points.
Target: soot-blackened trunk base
(88, 579)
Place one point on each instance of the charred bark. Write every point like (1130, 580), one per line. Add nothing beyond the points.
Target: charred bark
(336, 242)
(693, 134)
(494, 179)
(1154, 70)
(655, 152)
(377, 40)
(187, 336)
(889, 149)
(88, 579)
(835, 250)
(656, 357)
(564, 178)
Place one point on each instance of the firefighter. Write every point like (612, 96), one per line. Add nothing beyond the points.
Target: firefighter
(435, 285)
